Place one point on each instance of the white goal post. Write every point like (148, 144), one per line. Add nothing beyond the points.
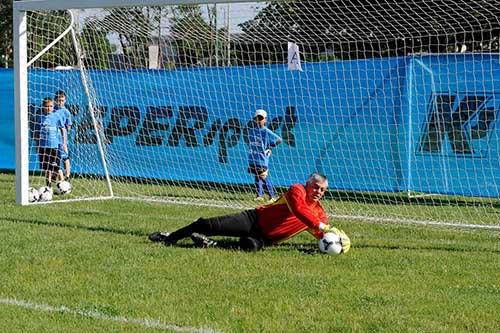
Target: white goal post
(21, 65)
(398, 103)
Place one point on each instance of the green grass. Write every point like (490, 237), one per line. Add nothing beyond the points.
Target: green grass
(395, 206)
(94, 259)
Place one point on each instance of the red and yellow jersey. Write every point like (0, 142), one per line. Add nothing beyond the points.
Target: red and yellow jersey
(290, 215)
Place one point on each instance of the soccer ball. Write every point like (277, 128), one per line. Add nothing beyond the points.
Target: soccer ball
(330, 243)
(45, 193)
(63, 187)
(33, 194)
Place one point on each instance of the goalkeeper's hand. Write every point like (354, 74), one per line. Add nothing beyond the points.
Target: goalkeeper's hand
(344, 239)
(327, 228)
(268, 152)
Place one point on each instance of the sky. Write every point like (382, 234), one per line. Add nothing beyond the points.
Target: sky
(234, 13)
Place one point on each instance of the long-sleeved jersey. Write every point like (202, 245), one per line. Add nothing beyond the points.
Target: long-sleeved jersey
(290, 215)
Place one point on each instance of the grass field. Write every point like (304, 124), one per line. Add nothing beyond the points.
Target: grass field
(88, 267)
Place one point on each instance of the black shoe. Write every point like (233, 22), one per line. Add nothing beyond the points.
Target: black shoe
(202, 241)
(158, 236)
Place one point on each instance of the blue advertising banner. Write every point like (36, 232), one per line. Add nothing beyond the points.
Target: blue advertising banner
(426, 123)
(190, 124)
(453, 122)
(7, 129)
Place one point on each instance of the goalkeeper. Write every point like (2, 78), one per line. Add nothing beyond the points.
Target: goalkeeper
(295, 211)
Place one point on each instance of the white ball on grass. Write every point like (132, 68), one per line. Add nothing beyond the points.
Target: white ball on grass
(46, 193)
(33, 195)
(63, 187)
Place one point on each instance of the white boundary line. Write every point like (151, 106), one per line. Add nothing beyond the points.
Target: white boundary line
(146, 322)
(334, 216)
(403, 221)
(216, 204)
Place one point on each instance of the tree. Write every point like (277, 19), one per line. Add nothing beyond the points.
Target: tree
(95, 45)
(6, 33)
(45, 27)
(194, 38)
(360, 29)
(134, 29)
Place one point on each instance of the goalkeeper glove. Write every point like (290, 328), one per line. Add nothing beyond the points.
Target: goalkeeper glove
(327, 228)
(268, 152)
(344, 239)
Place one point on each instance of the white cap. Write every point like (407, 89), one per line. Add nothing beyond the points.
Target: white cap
(260, 112)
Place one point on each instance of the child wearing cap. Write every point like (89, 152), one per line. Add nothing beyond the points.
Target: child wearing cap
(260, 141)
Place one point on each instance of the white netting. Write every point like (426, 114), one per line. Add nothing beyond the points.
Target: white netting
(397, 103)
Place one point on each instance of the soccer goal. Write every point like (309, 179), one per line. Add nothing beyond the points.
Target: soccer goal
(396, 102)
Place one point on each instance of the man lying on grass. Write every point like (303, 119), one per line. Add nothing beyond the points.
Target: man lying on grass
(295, 211)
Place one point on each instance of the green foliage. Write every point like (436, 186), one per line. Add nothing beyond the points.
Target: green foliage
(363, 29)
(133, 27)
(6, 55)
(351, 30)
(44, 28)
(94, 41)
(195, 38)
(94, 258)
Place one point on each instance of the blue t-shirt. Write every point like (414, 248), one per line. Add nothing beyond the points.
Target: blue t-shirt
(66, 118)
(259, 139)
(48, 130)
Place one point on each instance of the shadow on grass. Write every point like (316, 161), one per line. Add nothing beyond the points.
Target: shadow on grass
(308, 249)
(231, 244)
(73, 226)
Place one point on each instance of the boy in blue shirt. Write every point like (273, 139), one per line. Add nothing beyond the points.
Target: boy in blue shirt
(260, 141)
(67, 119)
(48, 130)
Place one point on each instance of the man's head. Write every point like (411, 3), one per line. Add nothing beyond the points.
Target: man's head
(48, 105)
(60, 98)
(316, 186)
(260, 117)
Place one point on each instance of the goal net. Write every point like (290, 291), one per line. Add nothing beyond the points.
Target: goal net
(396, 102)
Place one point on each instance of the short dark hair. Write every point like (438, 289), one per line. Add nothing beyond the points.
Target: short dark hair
(60, 93)
(46, 100)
